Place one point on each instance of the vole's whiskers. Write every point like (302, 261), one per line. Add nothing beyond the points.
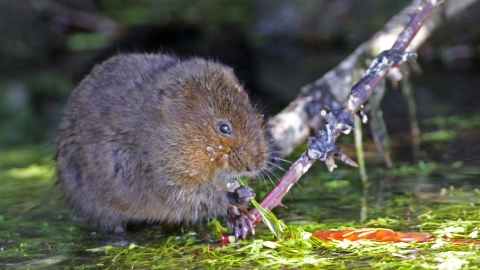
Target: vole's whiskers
(281, 159)
(272, 172)
(269, 172)
(274, 165)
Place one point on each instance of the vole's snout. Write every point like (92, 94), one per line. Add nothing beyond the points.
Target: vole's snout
(251, 166)
(255, 164)
(246, 160)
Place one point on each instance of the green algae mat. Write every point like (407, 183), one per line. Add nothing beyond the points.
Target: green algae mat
(438, 196)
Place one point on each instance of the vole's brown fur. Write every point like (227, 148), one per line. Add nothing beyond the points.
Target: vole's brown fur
(140, 140)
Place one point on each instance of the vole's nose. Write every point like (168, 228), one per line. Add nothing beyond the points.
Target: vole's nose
(254, 165)
(246, 161)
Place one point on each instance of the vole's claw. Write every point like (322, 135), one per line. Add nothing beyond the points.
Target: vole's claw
(241, 223)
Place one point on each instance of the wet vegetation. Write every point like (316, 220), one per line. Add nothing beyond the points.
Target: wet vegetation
(38, 231)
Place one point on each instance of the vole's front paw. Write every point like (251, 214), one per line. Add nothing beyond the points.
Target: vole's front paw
(241, 196)
(240, 222)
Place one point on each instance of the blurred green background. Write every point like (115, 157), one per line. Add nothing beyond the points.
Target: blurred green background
(275, 47)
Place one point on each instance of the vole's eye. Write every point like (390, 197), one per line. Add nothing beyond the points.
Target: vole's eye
(225, 128)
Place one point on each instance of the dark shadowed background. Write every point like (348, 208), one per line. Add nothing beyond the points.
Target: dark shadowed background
(275, 47)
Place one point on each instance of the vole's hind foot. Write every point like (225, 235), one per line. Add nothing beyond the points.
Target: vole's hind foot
(240, 222)
(119, 229)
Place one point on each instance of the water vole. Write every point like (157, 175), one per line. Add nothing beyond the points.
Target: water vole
(150, 137)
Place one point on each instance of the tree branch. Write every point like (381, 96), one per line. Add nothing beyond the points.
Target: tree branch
(292, 125)
(340, 119)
